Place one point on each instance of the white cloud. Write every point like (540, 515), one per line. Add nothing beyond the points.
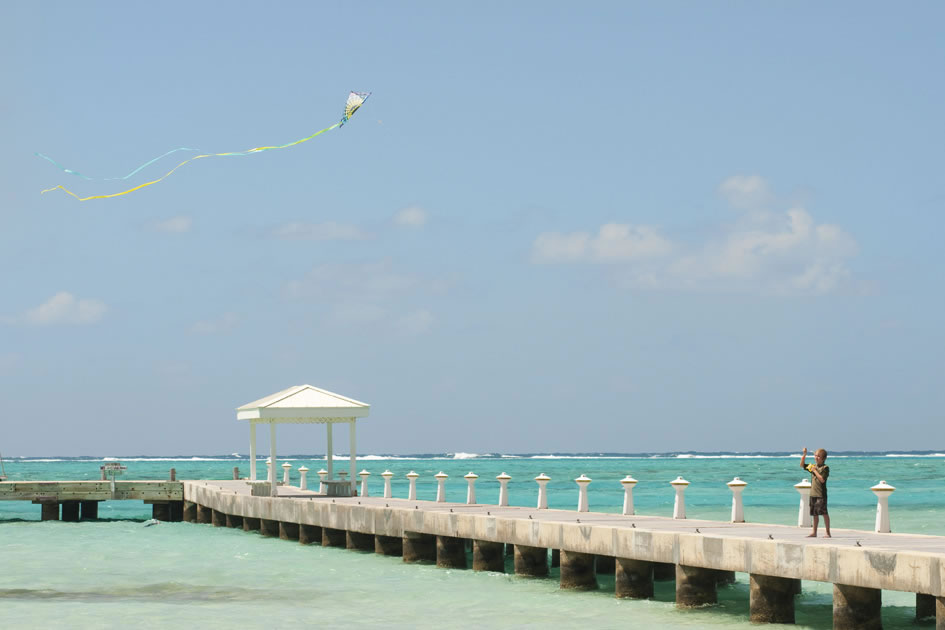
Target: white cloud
(745, 191)
(368, 294)
(63, 308)
(416, 322)
(174, 225)
(762, 251)
(414, 216)
(329, 231)
(224, 323)
(614, 242)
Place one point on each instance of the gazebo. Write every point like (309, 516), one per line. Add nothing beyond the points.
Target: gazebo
(302, 404)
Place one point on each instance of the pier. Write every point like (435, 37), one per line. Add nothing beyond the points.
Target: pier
(698, 554)
(77, 500)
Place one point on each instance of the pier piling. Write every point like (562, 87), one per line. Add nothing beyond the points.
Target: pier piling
(268, 527)
(70, 511)
(204, 514)
(450, 552)
(577, 571)
(488, 556)
(251, 524)
(88, 510)
(419, 547)
(388, 545)
(695, 586)
(857, 608)
(356, 541)
(334, 537)
(288, 530)
(310, 534)
(531, 561)
(50, 510)
(218, 518)
(633, 579)
(161, 511)
(771, 599)
(234, 521)
(189, 512)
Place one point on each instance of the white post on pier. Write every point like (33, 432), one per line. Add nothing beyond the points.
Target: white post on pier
(736, 485)
(329, 452)
(412, 492)
(441, 486)
(364, 474)
(882, 490)
(679, 505)
(252, 451)
(503, 488)
(471, 490)
(273, 488)
(286, 467)
(803, 511)
(303, 484)
(628, 483)
(387, 477)
(322, 475)
(542, 480)
(582, 482)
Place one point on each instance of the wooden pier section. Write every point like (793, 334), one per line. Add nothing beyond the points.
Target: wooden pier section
(79, 499)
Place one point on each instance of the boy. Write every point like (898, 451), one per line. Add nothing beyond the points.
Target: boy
(818, 489)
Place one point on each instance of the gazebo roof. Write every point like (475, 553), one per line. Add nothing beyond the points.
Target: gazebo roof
(303, 404)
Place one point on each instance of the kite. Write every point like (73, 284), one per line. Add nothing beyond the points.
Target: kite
(354, 102)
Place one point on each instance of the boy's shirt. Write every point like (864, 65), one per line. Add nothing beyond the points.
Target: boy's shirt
(818, 488)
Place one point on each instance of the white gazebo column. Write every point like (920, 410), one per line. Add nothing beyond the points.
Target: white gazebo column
(803, 512)
(303, 485)
(354, 460)
(628, 483)
(471, 490)
(252, 451)
(736, 485)
(330, 449)
(412, 492)
(441, 486)
(504, 488)
(268, 470)
(542, 480)
(882, 490)
(679, 505)
(387, 477)
(364, 474)
(273, 489)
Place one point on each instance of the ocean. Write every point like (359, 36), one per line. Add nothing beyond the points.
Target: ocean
(118, 571)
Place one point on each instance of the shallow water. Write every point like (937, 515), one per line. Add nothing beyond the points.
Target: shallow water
(115, 573)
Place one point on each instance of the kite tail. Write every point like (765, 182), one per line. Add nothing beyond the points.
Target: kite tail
(131, 174)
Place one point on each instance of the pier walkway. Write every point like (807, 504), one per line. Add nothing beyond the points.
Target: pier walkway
(699, 554)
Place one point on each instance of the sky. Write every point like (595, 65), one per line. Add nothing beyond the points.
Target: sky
(553, 226)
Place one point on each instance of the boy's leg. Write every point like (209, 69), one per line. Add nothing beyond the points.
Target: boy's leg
(813, 534)
(827, 525)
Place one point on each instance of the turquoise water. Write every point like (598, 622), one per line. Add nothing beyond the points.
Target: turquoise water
(115, 573)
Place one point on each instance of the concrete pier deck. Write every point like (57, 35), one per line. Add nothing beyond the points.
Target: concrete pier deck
(901, 562)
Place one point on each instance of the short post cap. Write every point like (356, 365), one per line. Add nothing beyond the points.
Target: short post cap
(287, 465)
(804, 484)
(412, 475)
(679, 481)
(628, 481)
(387, 473)
(322, 472)
(441, 475)
(736, 483)
(364, 473)
(882, 486)
(583, 479)
(471, 475)
(302, 468)
(503, 476)
(542, 477)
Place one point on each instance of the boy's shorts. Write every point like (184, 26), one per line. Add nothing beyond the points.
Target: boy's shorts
(818, 506)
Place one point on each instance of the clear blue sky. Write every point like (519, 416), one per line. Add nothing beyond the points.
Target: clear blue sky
(627, 226)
